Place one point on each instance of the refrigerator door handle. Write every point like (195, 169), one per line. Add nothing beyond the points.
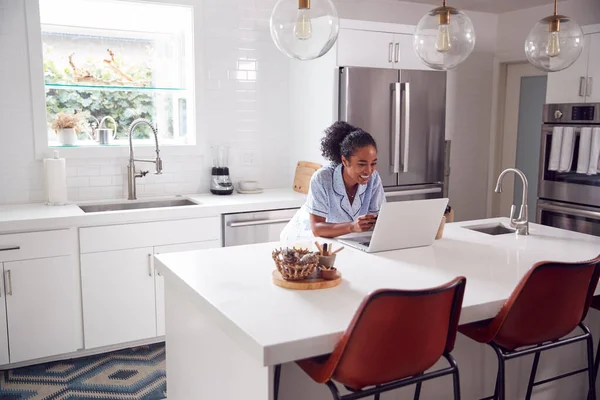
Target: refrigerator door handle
(396, 91)
(406, 119)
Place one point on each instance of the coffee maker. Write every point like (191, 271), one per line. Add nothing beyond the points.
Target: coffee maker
(220, 182)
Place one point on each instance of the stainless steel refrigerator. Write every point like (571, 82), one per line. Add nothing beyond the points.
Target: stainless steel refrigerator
(405, 111)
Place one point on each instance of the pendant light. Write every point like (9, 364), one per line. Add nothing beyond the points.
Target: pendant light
(444, 37)
(554, 43)
(304, 29)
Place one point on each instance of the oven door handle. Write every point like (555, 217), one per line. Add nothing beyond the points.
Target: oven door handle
(570, 211)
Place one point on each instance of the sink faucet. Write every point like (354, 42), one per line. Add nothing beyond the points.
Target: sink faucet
(131, 172)
(521, 223)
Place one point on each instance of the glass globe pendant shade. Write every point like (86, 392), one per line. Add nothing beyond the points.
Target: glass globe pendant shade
(304, 29)
(444, 38)
(554, 43)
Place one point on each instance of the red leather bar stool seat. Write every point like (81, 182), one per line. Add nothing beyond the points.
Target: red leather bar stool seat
(549, 302)
(394, 337)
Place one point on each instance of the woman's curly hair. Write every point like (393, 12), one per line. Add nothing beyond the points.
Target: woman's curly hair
(343, 139)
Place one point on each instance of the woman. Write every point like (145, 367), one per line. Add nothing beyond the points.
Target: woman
(345, 196)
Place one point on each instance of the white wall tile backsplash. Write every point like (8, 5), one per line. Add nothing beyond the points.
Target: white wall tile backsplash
(242, 91)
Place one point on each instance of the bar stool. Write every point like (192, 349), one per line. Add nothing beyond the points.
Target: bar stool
(596, 306)
(550, 301)
(394, 337)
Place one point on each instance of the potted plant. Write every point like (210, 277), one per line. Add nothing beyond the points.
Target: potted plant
(67, 126)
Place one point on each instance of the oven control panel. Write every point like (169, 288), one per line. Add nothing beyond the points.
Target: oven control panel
(572, 114)
(582, 113)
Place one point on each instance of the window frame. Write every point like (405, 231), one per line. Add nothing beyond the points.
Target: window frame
(38, 100)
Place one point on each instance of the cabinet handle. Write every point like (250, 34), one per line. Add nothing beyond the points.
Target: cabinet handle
(397, 52)
(582, 86)
(390, 52)
(150, 265)
(7, 283)
(9, 248)
(590, 83)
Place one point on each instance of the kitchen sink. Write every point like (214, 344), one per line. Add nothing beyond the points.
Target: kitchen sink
(92, 208)
(496, 229)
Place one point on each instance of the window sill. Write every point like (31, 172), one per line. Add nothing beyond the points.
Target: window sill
(118, 151)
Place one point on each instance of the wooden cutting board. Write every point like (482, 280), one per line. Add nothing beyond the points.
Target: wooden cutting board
(306, 284)
(304, 171)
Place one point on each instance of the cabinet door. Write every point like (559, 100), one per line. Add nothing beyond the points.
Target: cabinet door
(42, 299)
(118, 296)
(3, 322)
(405, 56)
(568, 86)
(593, 83)
(160, 281)
(365, 49)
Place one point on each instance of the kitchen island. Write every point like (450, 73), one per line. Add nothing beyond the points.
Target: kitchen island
(227, 325)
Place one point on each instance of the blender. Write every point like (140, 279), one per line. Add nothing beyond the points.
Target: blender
(220, 182)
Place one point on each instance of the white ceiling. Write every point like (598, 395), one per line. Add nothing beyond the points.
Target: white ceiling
(491, 6)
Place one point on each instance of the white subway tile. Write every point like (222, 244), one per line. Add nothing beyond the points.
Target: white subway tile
(79, 181)
(90, 193)
(92, 170)
(100, 180)
(112, 169)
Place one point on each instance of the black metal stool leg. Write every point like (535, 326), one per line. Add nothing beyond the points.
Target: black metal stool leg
(500, 387)
(418, 391)
(536, 361)
(376, 397)
(276, 381)
(456, 379)
(591, 370)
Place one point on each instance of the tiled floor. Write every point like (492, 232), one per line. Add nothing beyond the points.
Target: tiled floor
(132, 374)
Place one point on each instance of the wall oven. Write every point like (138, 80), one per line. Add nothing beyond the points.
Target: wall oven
(569, 197)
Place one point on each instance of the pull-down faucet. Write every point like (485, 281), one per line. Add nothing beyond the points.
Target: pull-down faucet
(521, 223)
(131, 173)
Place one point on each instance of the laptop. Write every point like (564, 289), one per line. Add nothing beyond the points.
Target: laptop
(401, 225)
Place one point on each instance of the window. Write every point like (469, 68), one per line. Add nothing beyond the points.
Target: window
(123, 60)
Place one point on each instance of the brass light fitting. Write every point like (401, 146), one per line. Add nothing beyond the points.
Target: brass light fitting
(443, 13)
(303, 4)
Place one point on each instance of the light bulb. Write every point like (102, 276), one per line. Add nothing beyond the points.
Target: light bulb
(303, 27)
(553, 47)
(442, 42)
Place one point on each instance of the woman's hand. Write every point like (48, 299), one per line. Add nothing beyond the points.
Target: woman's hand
(364, 223)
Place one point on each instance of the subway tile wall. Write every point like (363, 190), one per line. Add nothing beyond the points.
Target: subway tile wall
(242, 89)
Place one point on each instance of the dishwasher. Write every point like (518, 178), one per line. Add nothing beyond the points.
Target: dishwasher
(255, 227)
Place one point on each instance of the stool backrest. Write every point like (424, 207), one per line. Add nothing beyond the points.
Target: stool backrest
(398, 333)
(549, 302)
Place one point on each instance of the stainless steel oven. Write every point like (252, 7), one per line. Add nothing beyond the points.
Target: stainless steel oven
(567, 199)
(568, 186)
(569, 216)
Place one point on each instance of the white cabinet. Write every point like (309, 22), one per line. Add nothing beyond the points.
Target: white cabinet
(374, 49)
(123, 299)
(593, 82)
(365, 49)
(42, 307)
(3, 323)
(40, 303)
(118, 296)
(579, 82)
(160, 281)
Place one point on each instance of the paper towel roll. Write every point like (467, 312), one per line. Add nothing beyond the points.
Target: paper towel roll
(55, 173)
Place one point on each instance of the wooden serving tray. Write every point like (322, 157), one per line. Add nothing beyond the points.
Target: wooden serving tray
(306, 284)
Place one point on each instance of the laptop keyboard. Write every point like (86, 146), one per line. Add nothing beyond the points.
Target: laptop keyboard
(366, 244)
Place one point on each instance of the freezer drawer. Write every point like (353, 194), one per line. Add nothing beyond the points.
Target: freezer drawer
(415, 193)
(255, 227)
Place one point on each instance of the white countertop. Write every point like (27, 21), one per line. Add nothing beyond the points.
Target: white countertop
(233, 285)
(32, 217)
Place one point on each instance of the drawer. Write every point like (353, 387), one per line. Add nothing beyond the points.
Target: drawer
(148, 234)
(25, 246)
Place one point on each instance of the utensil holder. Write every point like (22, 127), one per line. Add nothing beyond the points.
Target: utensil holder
(440, 231)
(327, 261)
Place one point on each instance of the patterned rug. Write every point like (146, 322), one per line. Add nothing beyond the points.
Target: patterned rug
(131, 374)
